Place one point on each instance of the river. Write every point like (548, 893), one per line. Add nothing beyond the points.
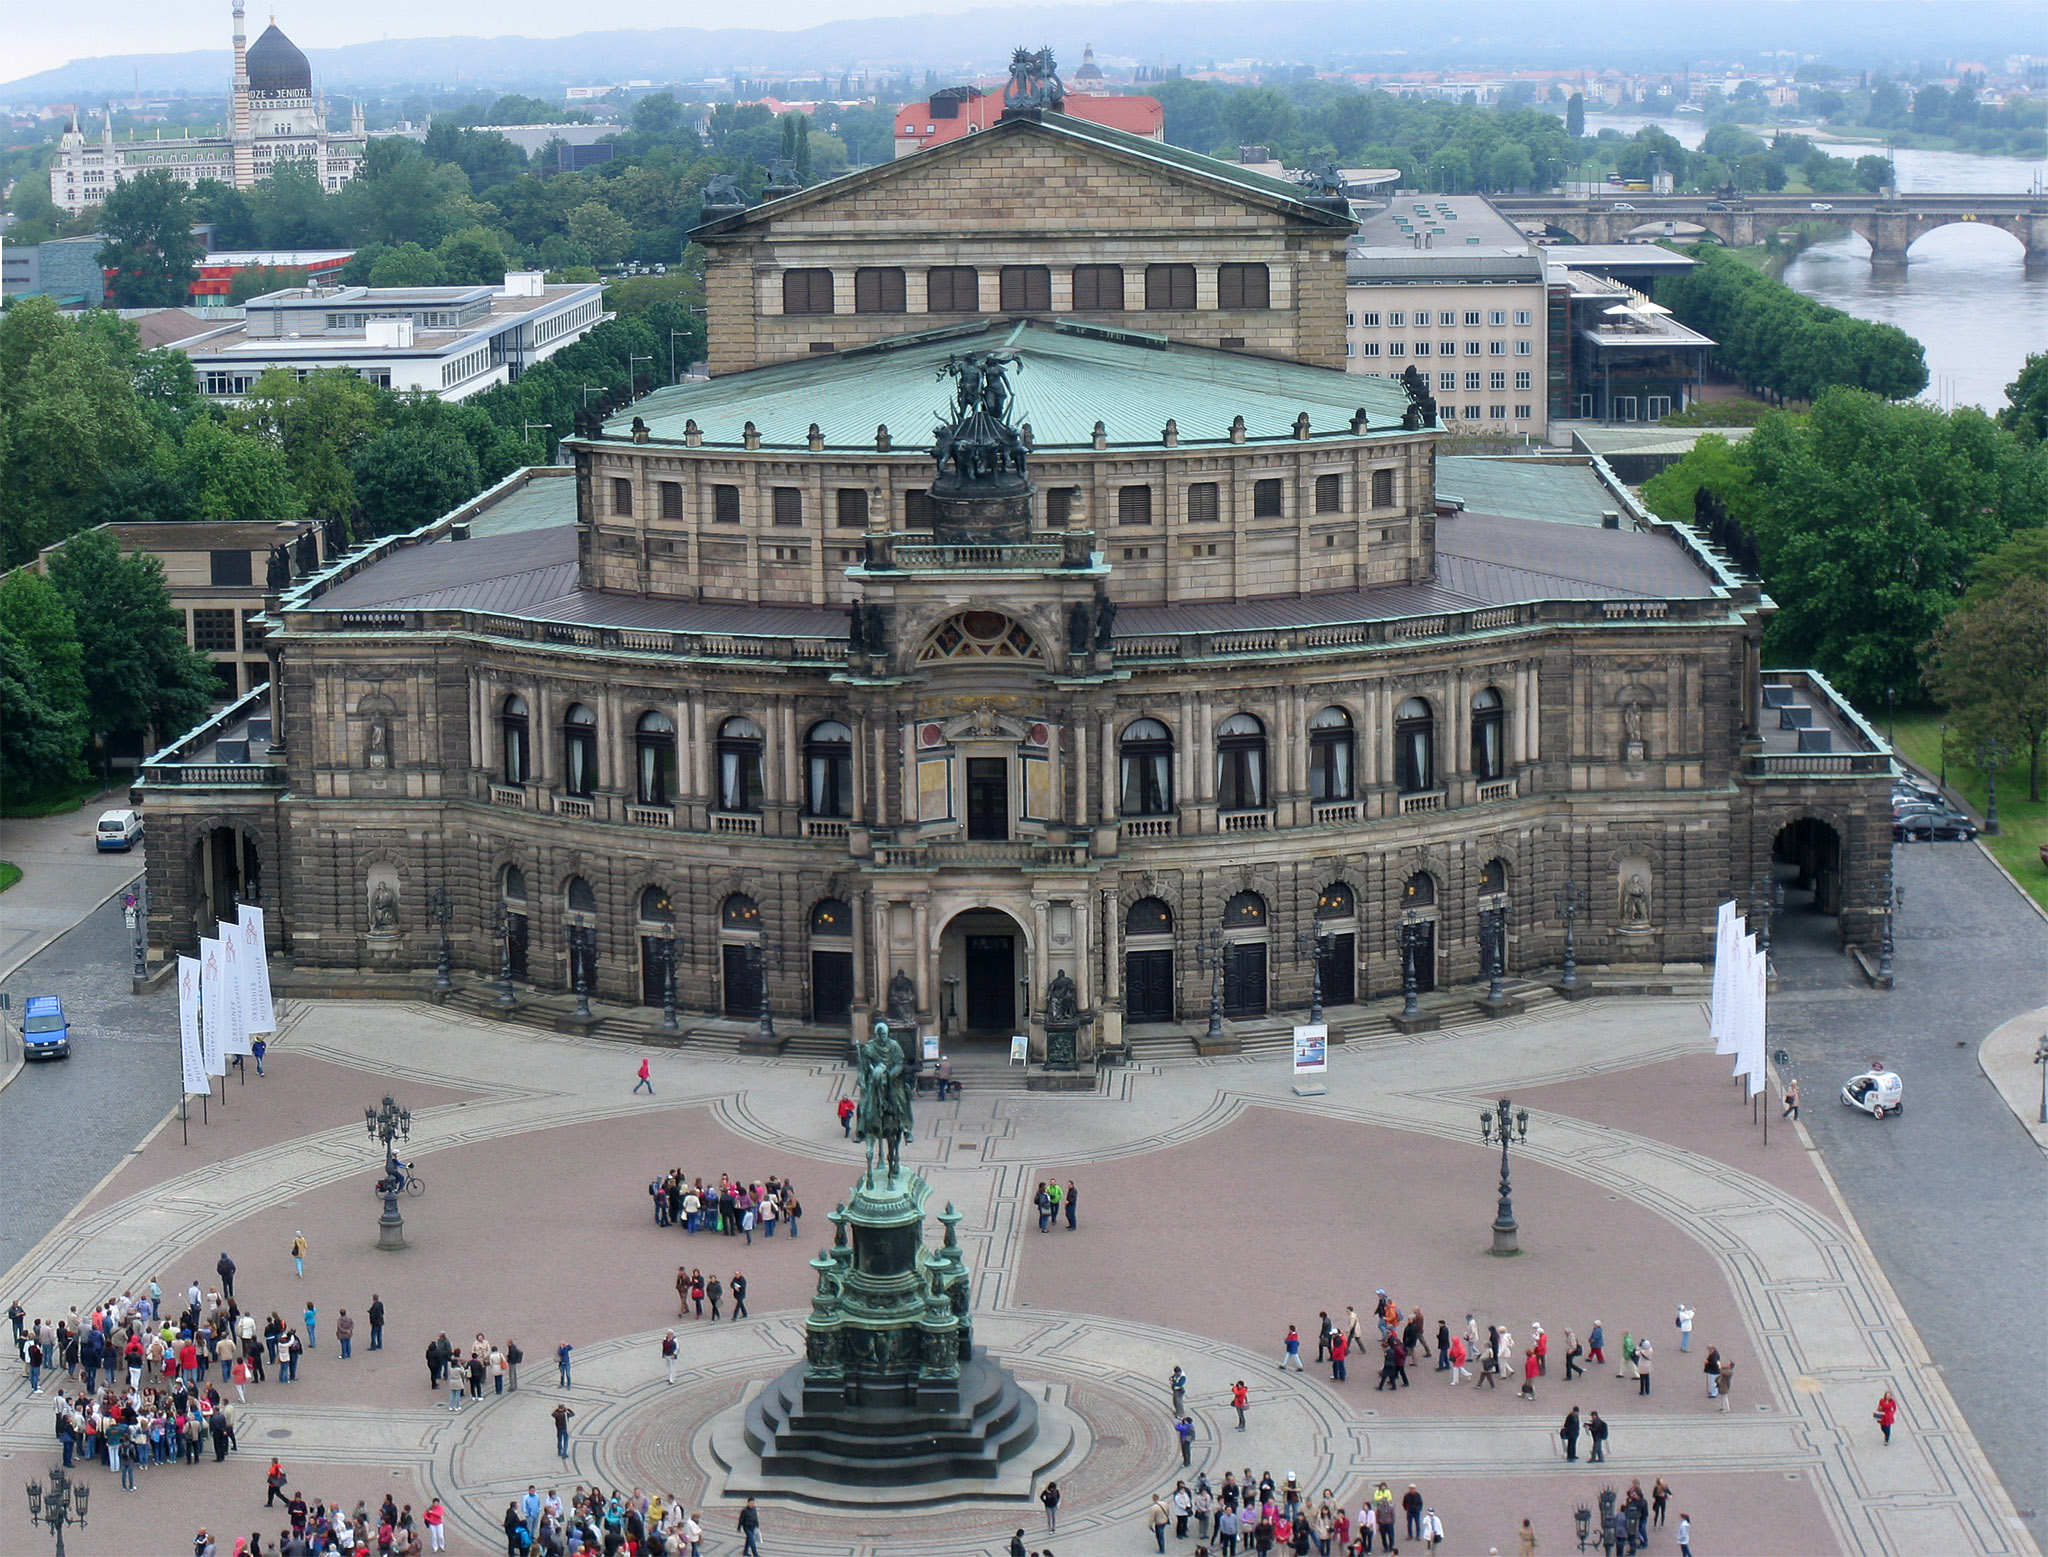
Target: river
(1965, 293)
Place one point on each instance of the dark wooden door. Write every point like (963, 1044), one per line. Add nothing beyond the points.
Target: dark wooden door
(518, 938)
(831, 986)
(1244, 980)
(991, 982)
(1148, 986)
(988, 797)
(742, 984)
(1340, 971)
(650, 970)
(1425, 958)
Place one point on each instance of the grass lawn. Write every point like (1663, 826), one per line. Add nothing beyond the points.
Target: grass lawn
(2023, 823)
(51, 802)
(9, 874)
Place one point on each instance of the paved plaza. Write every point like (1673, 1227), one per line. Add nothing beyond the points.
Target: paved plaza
(1216, 1208)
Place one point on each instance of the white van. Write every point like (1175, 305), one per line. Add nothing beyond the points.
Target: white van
(117, 830)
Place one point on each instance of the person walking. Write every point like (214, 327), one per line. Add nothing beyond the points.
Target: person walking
(564, 1376)
(1443, 1346)
(1459, 1357)
(1525, 1540)
(1156, 1517)
(312, 1319)
(1726, 1379)
(1596, 1430)
(376, 1323)
(668, 1354)
(432, 1519)
(1184, 1430)
(562, 1414)
(1290, 1351)
(1643, 1354)
(1596, 1344)
(1573, 1351)
(1660, 1494)
(1684, 1326)
(1569, 1434)
(749, 1527)
(225, 1269)
(513, 1358)
(1340, 1352)
(1239, 1398)
(274, 1479)
(739, 1296)
(714, 1290)
(1685, 1535)
(1177, 1382)
(1432, 1530)
(299, 1254)
(646, 1079)
(1791, 1099)
(1529, 1361)
(1049, 1497)
(1887, 1414)
(846, 1111)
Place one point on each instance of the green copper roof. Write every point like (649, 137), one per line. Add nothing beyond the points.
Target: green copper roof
(1068, 378)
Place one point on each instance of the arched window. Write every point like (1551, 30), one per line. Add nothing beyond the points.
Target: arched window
(579, 750)
(1329, 755)
(1493, 876)
(1414, 747)
(740, 912)
(1245, 911)
(579, 897)
(1489, 753)
(655, 907)
(828, 770)
(1241, 764)
(1419, 891)
(512, 884)
(1148, 916)
(831, 919)
(1336, 901)
(513, 731)
(654, 751)
(1146, 753)
(979, 635)
(739, 765)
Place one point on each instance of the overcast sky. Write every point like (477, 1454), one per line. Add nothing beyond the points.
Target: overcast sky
(44, 35)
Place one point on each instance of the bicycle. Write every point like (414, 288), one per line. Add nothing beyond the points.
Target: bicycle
(412, 1184)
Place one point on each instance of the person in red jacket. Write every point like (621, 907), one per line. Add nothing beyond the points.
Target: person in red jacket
(1887, 1413)
(846, 1117)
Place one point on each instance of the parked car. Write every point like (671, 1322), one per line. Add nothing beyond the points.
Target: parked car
(1623, 205)
(1717, 205)
(117, 830)
(1931, 824)
(1821, 205)
(45, 1034)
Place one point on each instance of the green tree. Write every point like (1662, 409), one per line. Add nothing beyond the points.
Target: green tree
(139, 674)
(513, 108)
(1510, 167)
(472, 257)
(290, 209)
(1989, 664)
(408, 265)
(2026, 412)
(601, 230)
(2023, 556)
(408, 475)
(1713, 463)
(657, 114)
(236, 477)
(320, 423)
(1575, 115)
(150, 247)
(42, 686)
(1874, 173)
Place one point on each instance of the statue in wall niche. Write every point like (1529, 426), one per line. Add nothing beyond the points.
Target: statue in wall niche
(383, 909)
(1105, 623)
(1632, 731)
(877, 633)
(902, 999)
(1062, 1000)
(1080, 631)
(379, 749)
(1635, 901)
(856, 628)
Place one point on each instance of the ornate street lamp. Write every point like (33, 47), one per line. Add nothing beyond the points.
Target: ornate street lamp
(582, 952)
(501, 927)
(1582, 1516)
(760, 956)
(1314, 945)
(1894, 900)
(440, 910)
(1569, 899)
(1992, 755)
(136, 906)
(61, 1503)
(387, 1124)
(1493, 927)
(1506, 1124)
(2041, 1059)
(1209, 957)
(1766, 897)
(667, 943)
(1413, 934)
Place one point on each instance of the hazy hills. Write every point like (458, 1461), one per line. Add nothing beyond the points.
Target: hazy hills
(1548, 33)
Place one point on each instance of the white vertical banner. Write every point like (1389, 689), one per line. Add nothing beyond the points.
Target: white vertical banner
(1740, 1001)
(212, 1009)
(1760, 978)
(190, 1046)
(259, 1011)
(1725, 935)
(234, 989)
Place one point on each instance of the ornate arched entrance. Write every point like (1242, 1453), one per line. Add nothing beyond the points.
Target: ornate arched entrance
(984, 963)
(1806, 858)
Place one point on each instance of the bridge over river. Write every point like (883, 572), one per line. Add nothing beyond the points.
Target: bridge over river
(1889, 226)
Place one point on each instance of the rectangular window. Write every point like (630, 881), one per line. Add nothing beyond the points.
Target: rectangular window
(1369, 321)
(671, 500)
(231, 568)
(1521, 316)
(1498, 413)
(1522, 414)
(1496, 381)
(1169, 286)
(1422, 348)
(1524, 349)
(878, 290)
(1395, 321)
(1498, 316)
(253, 633)
(807, 291)
(1474, 413)
(1370, 348)
(214, 631)
(1059, 508)
(917, 510)
(1447, 381)
(953, 289)
(1383, 489)
(1026, 287)
(1522, 379)
(725, 505)
(1098, 288)
(1397, 348)
(1204, 503)
(1243, 286)
(1266, 498)
(622, 495)
(1134, 505)
(1471, 319)
(789, 505)
(1496, 348)
(1447, 348)
(1350, 320)
(1471, 381)
(1350, 350)
(852, 505)
(1473, 348)
(1329, 494)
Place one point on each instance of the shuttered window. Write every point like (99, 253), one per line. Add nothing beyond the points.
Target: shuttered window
(1169, 286)
(878, 290)
(807, 291)
(953, 289)
(1098, 288)
(1241, 286)
(1203, 503)
(1026, 287)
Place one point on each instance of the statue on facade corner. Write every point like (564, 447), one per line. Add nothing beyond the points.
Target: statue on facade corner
(882, 1117)
(1105, 623)
(278, 573)
(1080, 631)
(1062, 1001)
(1635, 901)
(1421, 410)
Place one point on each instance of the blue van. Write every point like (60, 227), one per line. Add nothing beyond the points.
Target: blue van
(45, 1035)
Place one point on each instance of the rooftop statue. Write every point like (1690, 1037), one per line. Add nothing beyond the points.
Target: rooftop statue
(1320, 175)
(1421, 410)
(722, 190)
(1034, 82)
(979, 443)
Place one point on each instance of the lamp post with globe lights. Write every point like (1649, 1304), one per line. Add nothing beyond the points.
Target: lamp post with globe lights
(62, 1502)
(1506, 1124)
(388, 1124)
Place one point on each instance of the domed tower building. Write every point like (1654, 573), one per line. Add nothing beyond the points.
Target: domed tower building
(1029, 617)
(275, 115)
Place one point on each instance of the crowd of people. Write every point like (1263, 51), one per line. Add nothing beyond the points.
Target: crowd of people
(731, 1207)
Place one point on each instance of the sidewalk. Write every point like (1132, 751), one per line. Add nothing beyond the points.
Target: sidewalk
(2007, 1056)
(63, 878)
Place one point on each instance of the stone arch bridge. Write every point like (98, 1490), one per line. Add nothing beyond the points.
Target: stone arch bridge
(1888, 226)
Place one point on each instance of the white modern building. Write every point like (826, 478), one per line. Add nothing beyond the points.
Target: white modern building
(452, 342)
(275, 116)
(1448, 286)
